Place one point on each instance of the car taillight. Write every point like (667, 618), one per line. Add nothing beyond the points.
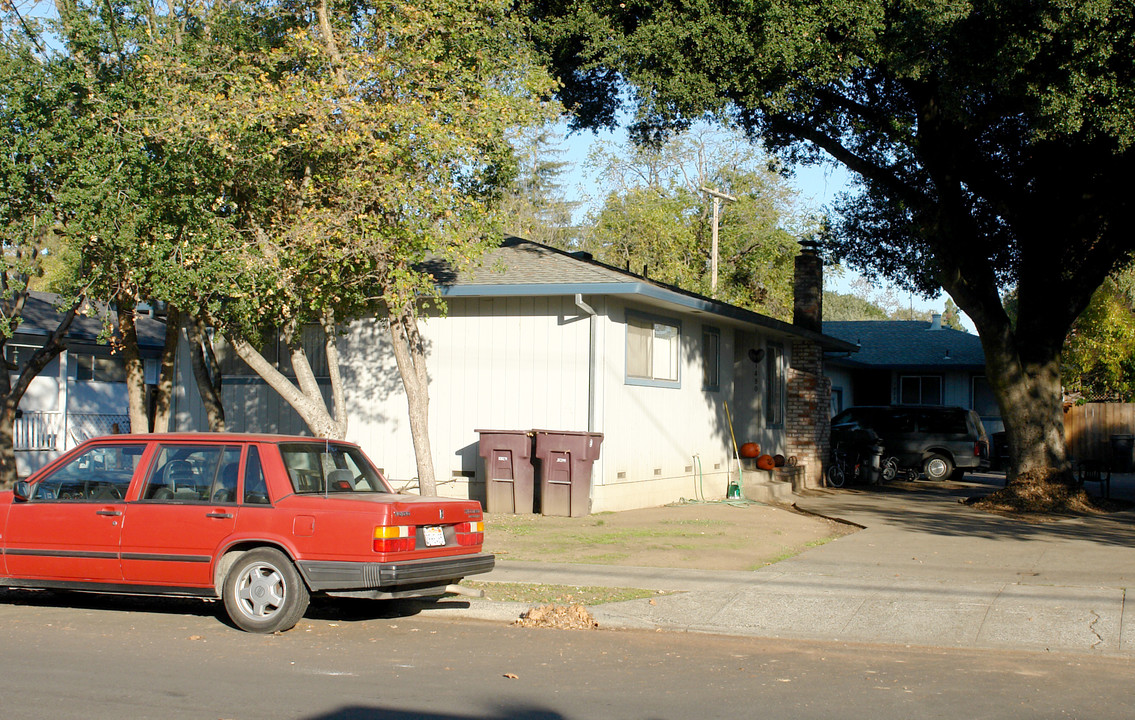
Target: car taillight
(977, 449)
(394, 538)
(470, 533)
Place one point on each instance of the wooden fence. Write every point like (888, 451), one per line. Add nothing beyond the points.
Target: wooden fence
(1088, 428)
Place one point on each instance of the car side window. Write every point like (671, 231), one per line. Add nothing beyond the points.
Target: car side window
(255, 488)
(194, 474)
(947, 422)
(902, 422)
(100, 474)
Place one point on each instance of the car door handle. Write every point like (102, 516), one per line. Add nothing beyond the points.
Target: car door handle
(107, 511)
(219, 515)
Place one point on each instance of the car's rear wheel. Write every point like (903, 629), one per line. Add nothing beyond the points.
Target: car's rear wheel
(937, 467)
(263, 592)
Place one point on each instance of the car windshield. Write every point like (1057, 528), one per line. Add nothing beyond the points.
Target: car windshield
(321, 467)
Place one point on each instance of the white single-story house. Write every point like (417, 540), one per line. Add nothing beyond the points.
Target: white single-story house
(537, 338)
(532, 339)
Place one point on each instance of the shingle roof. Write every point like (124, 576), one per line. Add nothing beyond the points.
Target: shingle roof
(41, 316)
(521, 262)
(520, 267)
(906, 344)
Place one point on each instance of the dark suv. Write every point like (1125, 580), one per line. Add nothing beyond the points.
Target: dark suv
(941, 442)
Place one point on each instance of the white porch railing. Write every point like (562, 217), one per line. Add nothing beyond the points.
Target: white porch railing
(50, 431)
(38, 431)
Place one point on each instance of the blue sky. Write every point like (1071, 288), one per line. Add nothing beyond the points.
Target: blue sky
(818, 186)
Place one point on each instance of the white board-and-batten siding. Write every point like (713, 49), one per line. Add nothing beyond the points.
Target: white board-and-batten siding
(495, 364)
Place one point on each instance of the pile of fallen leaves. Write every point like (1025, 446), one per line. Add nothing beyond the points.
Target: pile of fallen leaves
(565, 617)
(1031, 494)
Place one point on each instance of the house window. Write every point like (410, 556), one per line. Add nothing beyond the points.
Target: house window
(711, 358)
(837, 401)
(920, 390)
(983, 400)
(652, 351)
(774, 385)
(100, 369)
(19, 355)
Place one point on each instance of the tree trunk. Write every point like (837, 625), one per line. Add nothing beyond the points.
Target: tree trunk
(8, 470)
(1029, 395)
(206, 371)
(306, 399)
(135, 371)
(410, 353)
(163, 393)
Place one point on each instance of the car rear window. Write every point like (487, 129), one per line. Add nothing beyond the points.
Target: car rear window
(325, 468)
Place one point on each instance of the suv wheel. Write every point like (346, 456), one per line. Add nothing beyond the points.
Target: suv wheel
(263, 592)
(937, 467)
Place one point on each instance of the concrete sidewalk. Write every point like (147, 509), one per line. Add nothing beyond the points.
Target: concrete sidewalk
(926, 570)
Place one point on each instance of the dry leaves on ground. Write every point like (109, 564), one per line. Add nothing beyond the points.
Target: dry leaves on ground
(565, 617)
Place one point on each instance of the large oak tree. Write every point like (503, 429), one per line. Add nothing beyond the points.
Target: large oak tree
(992, 141)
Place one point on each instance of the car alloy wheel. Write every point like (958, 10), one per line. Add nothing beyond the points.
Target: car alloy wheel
(264, 593)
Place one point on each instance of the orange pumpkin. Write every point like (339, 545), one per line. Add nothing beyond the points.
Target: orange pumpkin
(765, 462)
(750, 450)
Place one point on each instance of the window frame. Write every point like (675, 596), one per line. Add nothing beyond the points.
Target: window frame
(973, 397)
(90, 367)
(83, 484)
(655, 322)
(941, 380)
(776, 382)
(168, 453)
(711, 384)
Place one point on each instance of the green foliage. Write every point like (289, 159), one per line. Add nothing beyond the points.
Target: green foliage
(46, 133)
(1098, 361)
(359, 153)
(847, 306)
(265, 165)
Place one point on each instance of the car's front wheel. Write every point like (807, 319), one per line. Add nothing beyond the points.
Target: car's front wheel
(937, 467)
(263, 592)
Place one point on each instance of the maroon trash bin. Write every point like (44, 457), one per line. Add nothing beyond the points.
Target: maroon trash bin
(565, 470)
(508, 470)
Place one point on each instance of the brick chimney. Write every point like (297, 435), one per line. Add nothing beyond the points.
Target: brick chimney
(808, 288)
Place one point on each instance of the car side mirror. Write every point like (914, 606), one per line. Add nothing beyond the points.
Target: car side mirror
(22, 491)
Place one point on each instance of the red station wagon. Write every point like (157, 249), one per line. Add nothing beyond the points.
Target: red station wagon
(260, 521)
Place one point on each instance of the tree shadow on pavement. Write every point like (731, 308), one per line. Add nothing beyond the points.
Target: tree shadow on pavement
(939, 508)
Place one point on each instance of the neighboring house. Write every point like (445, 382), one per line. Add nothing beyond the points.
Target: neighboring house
(82, 392)
(536, 338)
(910, 362)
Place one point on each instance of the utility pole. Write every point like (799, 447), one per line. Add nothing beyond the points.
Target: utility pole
(717, 196)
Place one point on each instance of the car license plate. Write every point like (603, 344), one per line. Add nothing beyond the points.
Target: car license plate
(434, 536)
